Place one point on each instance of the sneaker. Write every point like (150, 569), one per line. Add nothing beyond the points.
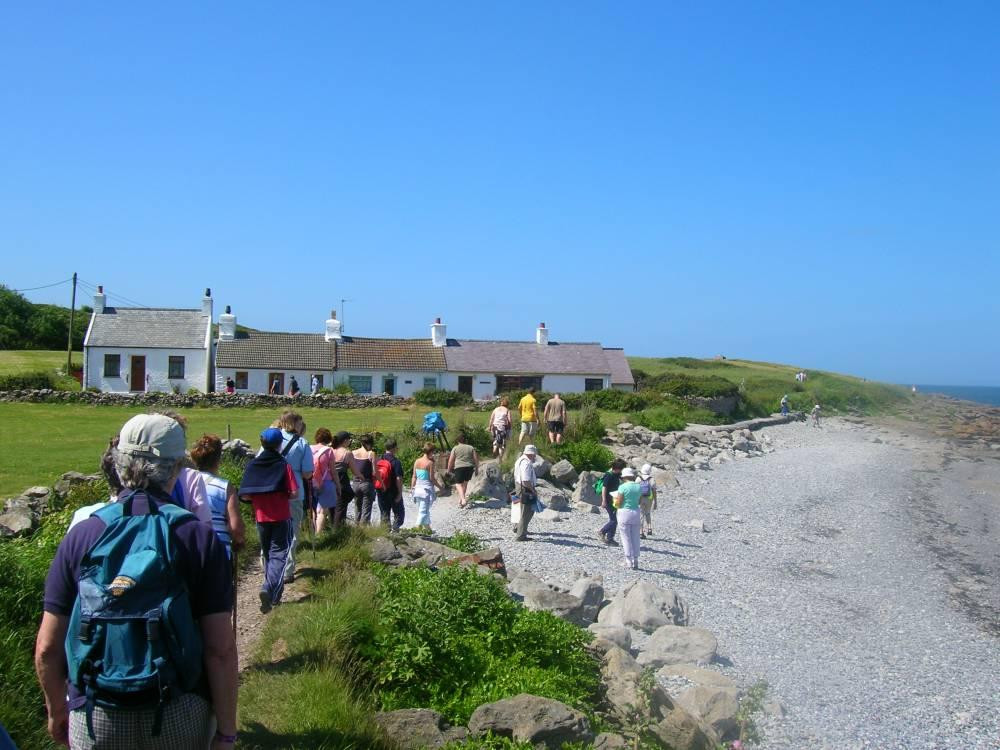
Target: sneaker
(265, 602)
(635, 565)
(611, 542)
(600, 535)
(524, 538)
(642, 534)
(289, 579)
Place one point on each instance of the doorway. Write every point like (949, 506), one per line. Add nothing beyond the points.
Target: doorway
(276, 383)
(389, 385)
(465, 384)
(137, 378)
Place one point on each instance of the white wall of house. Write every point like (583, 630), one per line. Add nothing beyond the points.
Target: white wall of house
(408, 382)
(571, 383)
(196, 369)
(483, 385)
(258, 381)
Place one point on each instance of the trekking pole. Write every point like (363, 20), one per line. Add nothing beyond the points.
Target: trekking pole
(310, 516)
(236, 578)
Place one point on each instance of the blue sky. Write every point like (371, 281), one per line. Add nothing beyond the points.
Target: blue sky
(816, 184)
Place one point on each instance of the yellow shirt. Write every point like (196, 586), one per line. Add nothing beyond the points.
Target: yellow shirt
(527, 407)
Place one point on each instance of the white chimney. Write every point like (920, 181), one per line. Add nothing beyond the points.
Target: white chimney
(439, 333)
(100, 299)
(334, 328)
(206, 304)
(542, 335)
(227, 325)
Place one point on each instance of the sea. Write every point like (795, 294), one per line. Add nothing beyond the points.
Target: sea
(983, 394)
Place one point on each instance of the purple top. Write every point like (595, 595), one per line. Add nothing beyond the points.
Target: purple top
(200, 556)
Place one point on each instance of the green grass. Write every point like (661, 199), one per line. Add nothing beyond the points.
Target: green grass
(15, 362)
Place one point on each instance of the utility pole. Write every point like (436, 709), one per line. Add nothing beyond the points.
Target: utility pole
(343, 327)
(69, 338)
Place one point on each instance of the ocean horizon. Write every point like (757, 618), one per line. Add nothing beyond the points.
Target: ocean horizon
(981, 394)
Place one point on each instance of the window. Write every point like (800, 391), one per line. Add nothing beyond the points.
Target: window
(175, 368)
(430, 382)
(112, 365)
(360, 383)
(593, 384)
(509, 383)
(242, 381)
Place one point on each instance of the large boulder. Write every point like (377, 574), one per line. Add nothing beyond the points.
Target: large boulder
(621, 637)
(645, 607)
(590, 591)
(16, 521)
(584, 493)
(610, 741)
(383, 550)
(491, 559)
(542, 467)
(487, 481)
(698, 676)
(564, 473)
(535, 594)
(416, 728)
(715, 706)
(553, 497)
(527, 718)
(674, 644)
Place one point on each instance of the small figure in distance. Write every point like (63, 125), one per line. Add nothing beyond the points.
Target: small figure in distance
(293, 387)
(424, 484)
(463, 462)
(230, 385)
(313, 385)
(784, 405)
(815, 415)
(529, 415)
(500, 427)
(525, 481)
(274, 390)
(555, 416)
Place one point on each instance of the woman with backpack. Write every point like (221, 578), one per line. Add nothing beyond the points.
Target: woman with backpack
(325, 488)
(647, 500)
(222, 500)
(500, 426)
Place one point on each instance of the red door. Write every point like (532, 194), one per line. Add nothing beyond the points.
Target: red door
(137, 380)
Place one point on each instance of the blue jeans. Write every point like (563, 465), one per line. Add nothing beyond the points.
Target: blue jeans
(391, 504)
(611, 526)
(275, 537)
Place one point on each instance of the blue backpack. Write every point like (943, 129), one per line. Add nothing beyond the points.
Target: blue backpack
(434, 422)
(132, 633)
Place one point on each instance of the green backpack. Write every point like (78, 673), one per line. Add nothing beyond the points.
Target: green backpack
(132, 633)
(599, 487)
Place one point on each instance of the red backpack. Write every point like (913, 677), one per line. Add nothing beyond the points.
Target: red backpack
(384, 477)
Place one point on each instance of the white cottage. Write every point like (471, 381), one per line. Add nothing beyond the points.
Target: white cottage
(138, 349)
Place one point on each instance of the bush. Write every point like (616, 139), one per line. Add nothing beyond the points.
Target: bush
(679, 384)
(27, 381)
(586, 426)
(464, 542)
(615, 400)
(661, 419)
(585, 455)
(343, 389)
(441, 397)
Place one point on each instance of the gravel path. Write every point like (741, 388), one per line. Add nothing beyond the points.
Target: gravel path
(817, 575)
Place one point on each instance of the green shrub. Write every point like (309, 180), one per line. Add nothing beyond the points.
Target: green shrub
(661, 419)
(343, 389)
(464, 542)
(27, 381)
(441, 398)
(679, 384)
(585, 455)
(615, 400)
(587, 425)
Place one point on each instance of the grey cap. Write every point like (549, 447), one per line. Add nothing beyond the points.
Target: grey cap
(152, 436)
(531, 450)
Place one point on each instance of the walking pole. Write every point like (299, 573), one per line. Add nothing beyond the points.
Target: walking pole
(236, 578)
(310, 516)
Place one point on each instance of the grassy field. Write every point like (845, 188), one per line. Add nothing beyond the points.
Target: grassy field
(13, 362)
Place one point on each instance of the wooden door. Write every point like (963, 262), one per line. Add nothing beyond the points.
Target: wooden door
(465, 384)
(137, 378)
(389, 386)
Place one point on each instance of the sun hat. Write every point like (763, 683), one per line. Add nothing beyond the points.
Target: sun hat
(152, 435)
(531, 450)
(271, 437)
(646, 472)
(628, 471)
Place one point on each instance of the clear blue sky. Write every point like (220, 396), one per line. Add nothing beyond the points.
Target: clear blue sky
(810, 183)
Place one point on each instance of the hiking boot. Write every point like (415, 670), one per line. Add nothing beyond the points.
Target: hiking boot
(524, 538)
(265, 602)
(600, 535)
(611, 542)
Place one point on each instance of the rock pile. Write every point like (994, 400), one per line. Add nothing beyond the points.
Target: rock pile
(21, 514)
(189, 400)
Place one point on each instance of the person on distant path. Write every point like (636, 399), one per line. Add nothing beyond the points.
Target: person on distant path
(293, 387)
(528, 408)
(784, 405)
(274, 390)
(325, 484)
(815, 415)
(555, 416)
(500, 427)
(270, 485)
(222, 499)
(362, 486)
(343, 461)
(313, 385)
(525, 484)
(462, 463)
(390, 500)
(147, 458)
(424, 483)
(230, 385)
(626, 500)
(295, 450)
(610, 484)
(647, 500)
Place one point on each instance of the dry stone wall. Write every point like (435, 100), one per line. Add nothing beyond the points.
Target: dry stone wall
(184, 400)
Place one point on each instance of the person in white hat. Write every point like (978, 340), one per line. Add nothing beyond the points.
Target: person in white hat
(647, 500)
(626, 500)
(524, 485)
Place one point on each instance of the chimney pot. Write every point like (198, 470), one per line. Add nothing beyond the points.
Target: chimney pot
(208, 292)
(437, 321)
(229, 310)
(100, 289)
(333, 314)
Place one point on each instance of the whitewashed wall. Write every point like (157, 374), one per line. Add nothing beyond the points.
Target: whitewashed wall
(408, 382)
(196, 369)
(258, 382)
(483, 385)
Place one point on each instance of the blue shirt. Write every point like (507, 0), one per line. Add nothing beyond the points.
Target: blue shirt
(300, 458)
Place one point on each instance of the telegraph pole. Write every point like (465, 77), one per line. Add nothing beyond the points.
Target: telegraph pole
(343, 327)
(69, 338)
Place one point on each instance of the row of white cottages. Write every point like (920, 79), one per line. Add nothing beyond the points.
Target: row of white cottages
(130, 349)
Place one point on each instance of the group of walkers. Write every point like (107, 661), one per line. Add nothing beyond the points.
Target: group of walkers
(501, 421)
(629, 498)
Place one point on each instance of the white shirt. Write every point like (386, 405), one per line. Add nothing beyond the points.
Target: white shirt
(524, 471)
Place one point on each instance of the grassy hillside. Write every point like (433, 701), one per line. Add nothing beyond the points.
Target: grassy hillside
(21, 361)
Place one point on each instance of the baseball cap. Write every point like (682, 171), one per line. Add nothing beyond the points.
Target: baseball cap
(646, 471)
(152, 435)
(628, 471)
(531, 450)
(271, 437)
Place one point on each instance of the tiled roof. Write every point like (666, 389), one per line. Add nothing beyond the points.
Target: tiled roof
(149, 327)
(621, 373)
(527, 357)
(276, 351)
(355, 352)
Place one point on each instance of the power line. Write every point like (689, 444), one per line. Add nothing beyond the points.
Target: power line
(45, 286)
(123, 298)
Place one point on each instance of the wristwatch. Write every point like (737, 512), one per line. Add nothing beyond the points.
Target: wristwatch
(229, 739)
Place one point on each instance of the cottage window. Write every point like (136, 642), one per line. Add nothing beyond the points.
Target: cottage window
(175, 368)
(112, 365)
(360, 383)
(242, 381)
(593, 384)
(511, 383)
(430, 382)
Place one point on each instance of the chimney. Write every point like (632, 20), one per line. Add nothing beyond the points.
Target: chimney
(334, 328)
(542, 335)
(439, 333)
(100, 299)
(227, 325)
(206, 304)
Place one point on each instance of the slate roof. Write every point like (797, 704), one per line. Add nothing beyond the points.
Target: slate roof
(355, 352)
(149, 327)
(526, 357)
(621, 373)
(266, 350)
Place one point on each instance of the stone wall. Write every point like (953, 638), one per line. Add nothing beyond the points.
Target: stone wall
(719, 405)
(224, 400)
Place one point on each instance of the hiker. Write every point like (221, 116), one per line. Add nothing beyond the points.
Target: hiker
(227, 522)
(270, 485)
(388, 480)
(555, 417)
(295, 450)
(525, 483)
(274, 390)
(110, 476)
(528, 408)
(189, 490)
(647, 500)
(230, 385)
(125, 708)
(313, 385)
(424, 483)
(293, 387)
(784, 405)
(343, 461)
(500, 427)
(626, 501)
(609, 484)
(462, 463)
(361, 485)
(815, 415)
(324, 479)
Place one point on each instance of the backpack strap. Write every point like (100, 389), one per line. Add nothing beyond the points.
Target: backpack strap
(293, 441)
